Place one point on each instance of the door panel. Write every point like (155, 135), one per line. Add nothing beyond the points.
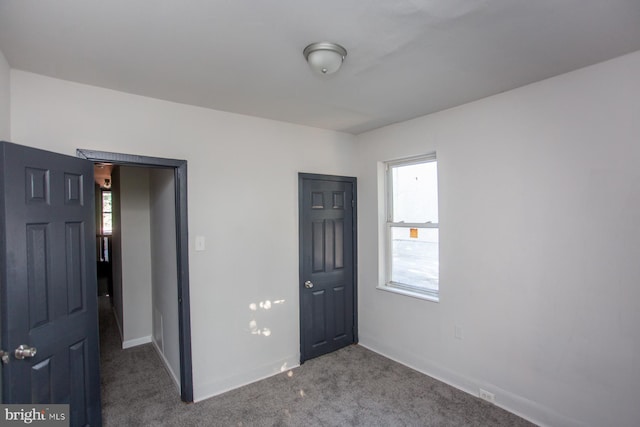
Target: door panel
(37, 277)
(41, 382)
(49, 291)
(327, 253)
(74, 237)
(318, 319)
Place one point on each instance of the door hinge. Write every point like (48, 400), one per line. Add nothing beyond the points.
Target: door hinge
(353, 203)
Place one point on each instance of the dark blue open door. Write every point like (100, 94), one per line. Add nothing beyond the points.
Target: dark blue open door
(328, 318)
(48, 285)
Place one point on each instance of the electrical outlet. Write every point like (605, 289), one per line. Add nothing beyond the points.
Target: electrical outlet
(485, 395)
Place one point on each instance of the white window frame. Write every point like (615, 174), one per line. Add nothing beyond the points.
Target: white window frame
(389, 285)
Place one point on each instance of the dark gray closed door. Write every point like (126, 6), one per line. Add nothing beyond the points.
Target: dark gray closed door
(327, 275)
(49, 294)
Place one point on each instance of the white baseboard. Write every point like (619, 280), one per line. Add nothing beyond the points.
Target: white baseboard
(167, 366)
(508, 401)
(136, 341)
(202, 392)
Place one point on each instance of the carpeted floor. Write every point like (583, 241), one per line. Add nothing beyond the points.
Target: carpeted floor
(351, 387)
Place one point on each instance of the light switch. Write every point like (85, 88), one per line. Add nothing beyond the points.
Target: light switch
(458, 332)
(200, 243)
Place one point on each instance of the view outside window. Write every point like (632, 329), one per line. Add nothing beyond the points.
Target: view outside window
(107, 216)
(413, 225)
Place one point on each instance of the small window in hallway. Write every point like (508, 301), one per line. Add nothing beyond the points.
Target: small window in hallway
(107, 226)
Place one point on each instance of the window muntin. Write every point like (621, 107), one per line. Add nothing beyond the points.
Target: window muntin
(412, 226)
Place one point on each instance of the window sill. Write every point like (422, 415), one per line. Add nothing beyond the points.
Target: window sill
(409, 293)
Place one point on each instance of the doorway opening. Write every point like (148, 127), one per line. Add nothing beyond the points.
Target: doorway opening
(178, 170)
(104, 227)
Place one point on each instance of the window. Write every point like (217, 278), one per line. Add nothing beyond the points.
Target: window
(412, 232)
(107, 226)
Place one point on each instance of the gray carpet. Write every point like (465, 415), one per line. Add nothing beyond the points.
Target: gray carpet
(351, 387)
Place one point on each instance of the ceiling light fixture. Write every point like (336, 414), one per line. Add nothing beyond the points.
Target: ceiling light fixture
(324, 57)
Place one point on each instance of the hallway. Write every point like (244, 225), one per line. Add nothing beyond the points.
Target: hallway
(134, 383)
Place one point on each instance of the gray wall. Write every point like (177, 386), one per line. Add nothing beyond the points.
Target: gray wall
(164, 271)
(5, 101)
(116, 254)
(135, 256)
(144, 259)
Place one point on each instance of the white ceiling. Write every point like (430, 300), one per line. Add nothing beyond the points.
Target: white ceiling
(406, 58)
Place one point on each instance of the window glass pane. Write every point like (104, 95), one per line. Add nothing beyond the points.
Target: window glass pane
(415, 260)
(106, 223)
(106, 201)
(415, 192)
